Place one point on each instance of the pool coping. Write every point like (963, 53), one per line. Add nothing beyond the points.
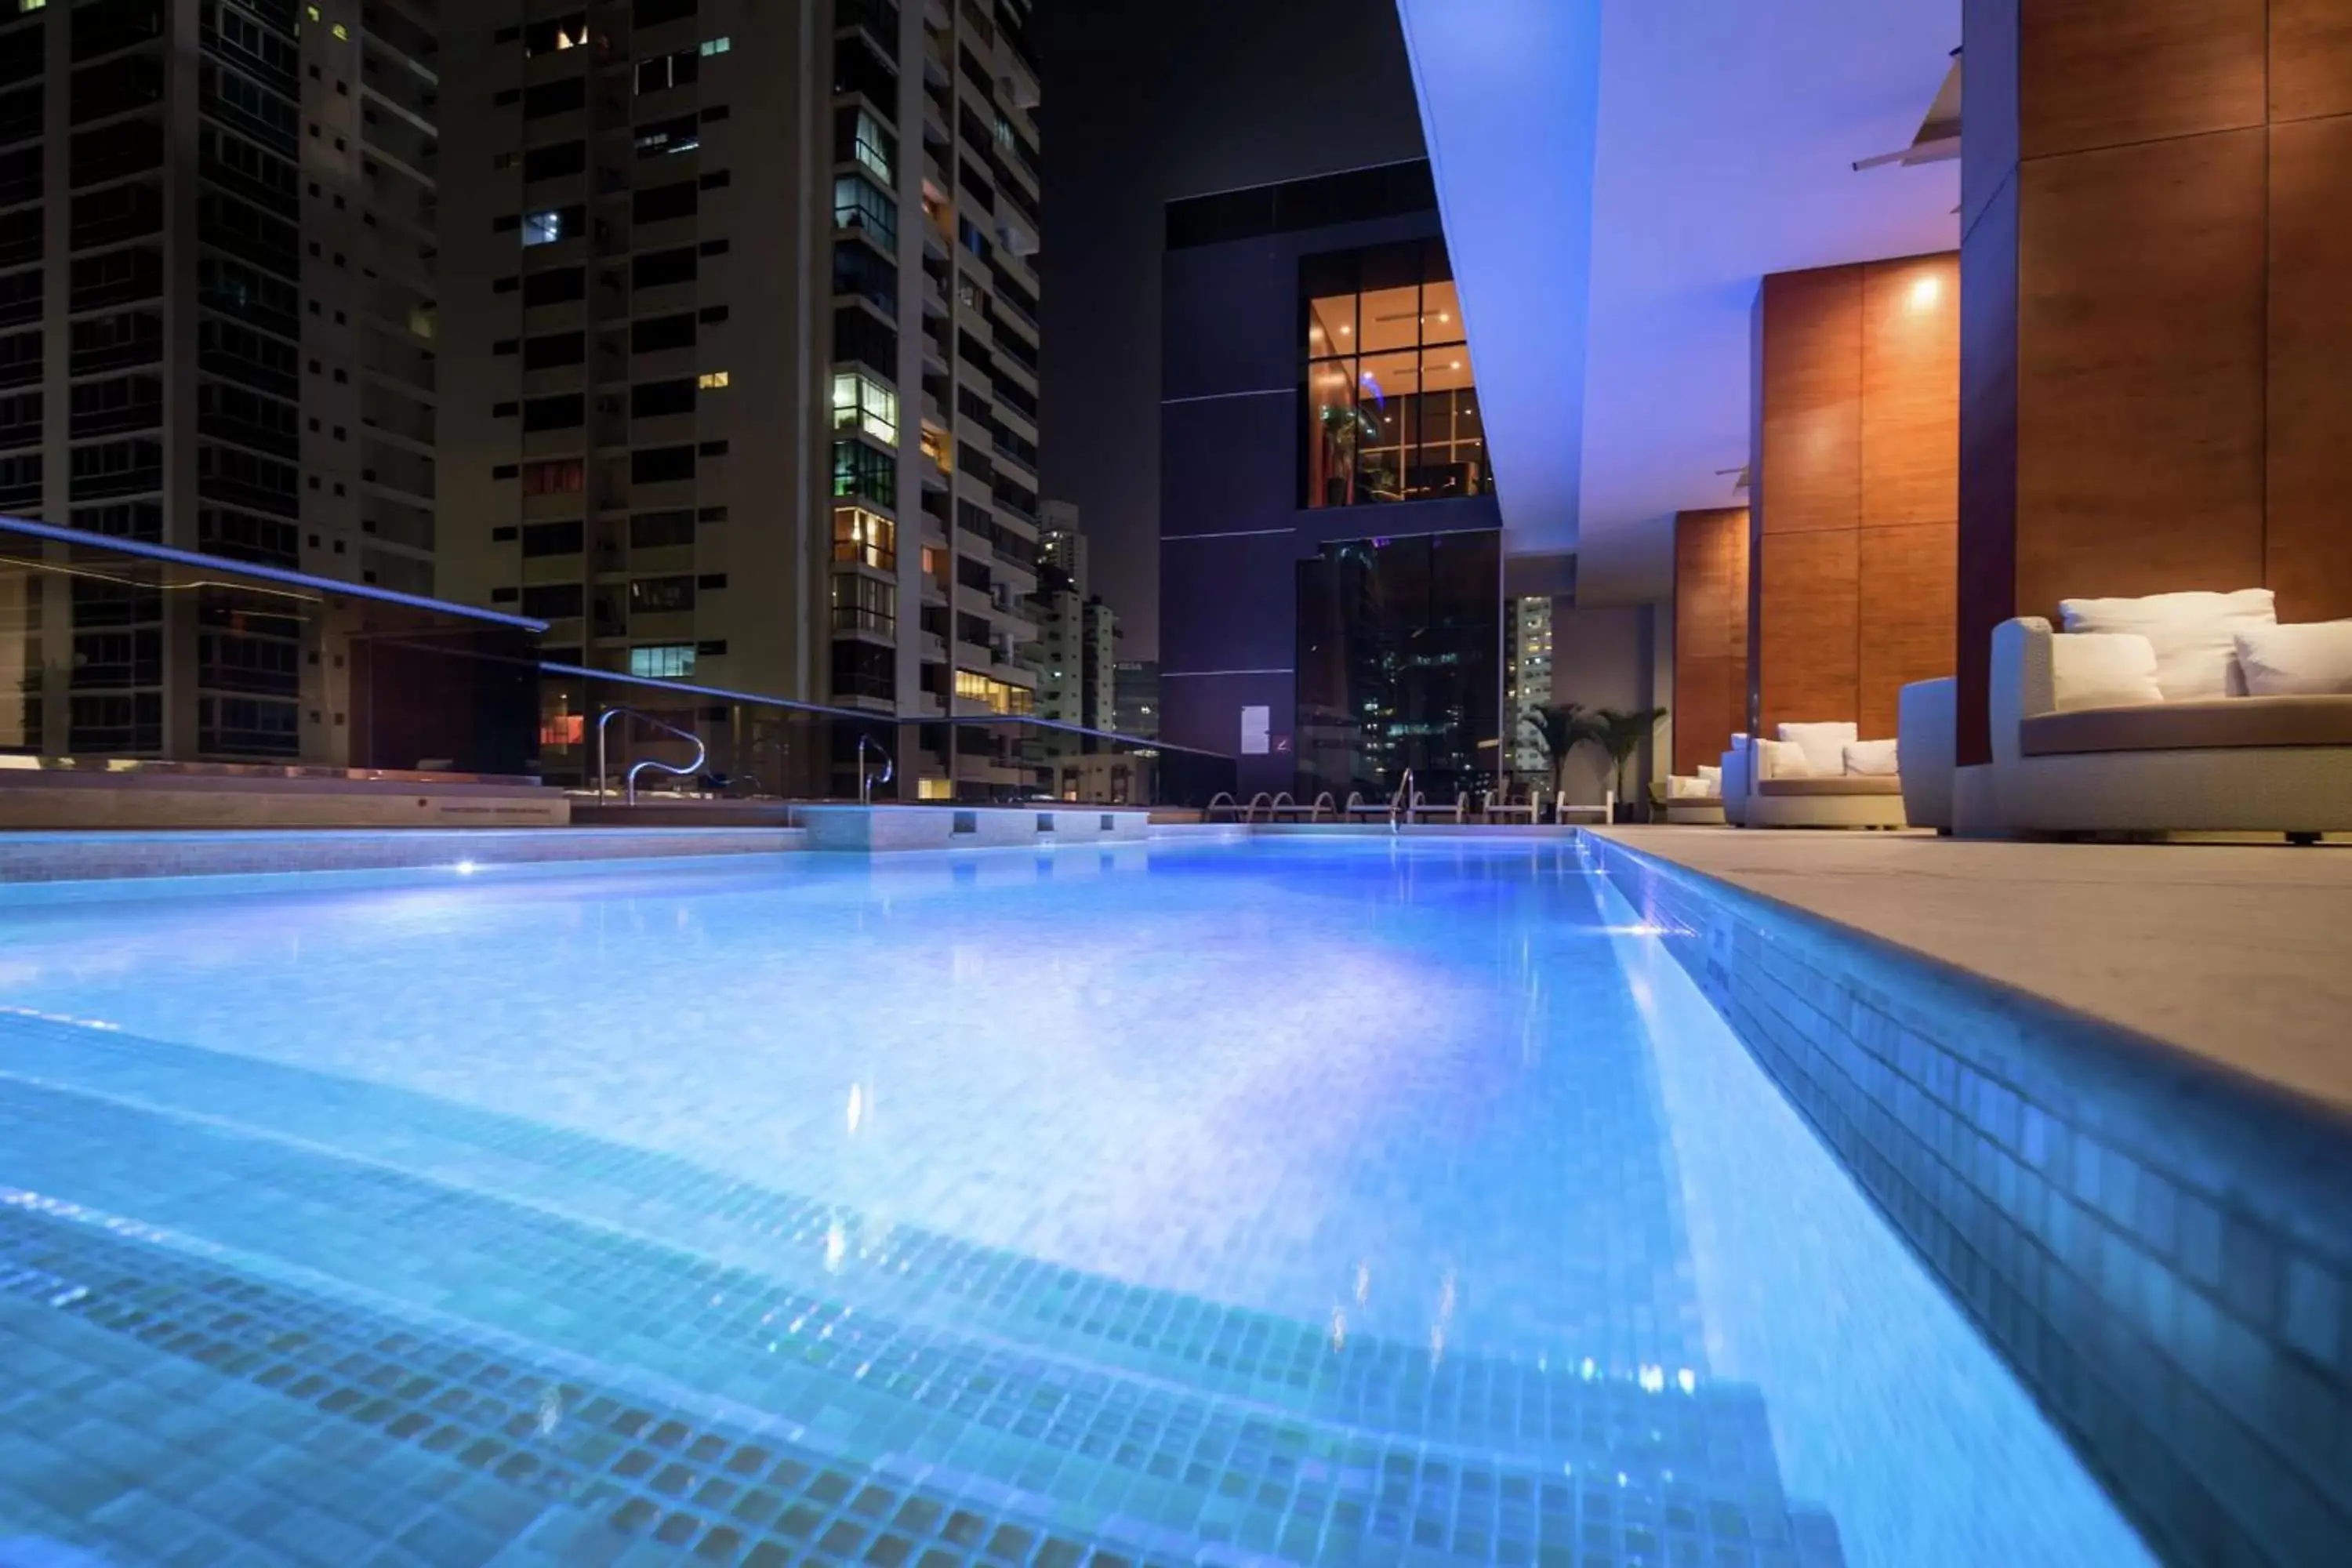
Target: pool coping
(2159, 1247)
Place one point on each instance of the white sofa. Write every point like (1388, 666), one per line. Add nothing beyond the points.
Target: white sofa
(1693, 799)
(1734, 777)
(2161, 761)
(1815, 776)
(1925, 717)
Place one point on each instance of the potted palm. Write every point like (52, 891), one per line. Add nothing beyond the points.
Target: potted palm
(1621, 732)
(1557, 729)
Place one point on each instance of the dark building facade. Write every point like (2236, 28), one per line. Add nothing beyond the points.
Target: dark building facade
(1330, 547)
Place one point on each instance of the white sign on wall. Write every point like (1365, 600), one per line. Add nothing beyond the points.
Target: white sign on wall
(1255, 725)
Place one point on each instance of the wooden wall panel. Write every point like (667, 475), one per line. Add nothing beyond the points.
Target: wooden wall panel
(1710, 634)
(2110, 73)
(2140, 369)
(1910, 434)
(1810, 401)
(2311, 58)
(1808, 626)
(2308, 541)
(1907, 596)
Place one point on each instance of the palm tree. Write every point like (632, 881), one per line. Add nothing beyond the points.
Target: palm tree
(1621, 732)
(1559, 729)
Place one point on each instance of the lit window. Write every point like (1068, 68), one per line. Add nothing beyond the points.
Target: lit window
(870, 143)
(663, 660)
(342, 32)
(999, 696)
(859, 204)
(862, 403)
(711, 380)
(313, 10)
(715, 46)
(544, 228)
(865, 538)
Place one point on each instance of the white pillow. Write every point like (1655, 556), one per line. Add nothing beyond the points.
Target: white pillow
(1783, 760)
(1823, 745)
(2103, 670)
(1871, 759)
(1710, 778)
(2194, 634)
(1685, 786)
(2299, 658)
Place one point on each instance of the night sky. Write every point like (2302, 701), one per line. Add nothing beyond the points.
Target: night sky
(1146, 101)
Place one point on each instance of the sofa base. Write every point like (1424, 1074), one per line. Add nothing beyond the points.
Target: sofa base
(2285, 790)
(1825, 811)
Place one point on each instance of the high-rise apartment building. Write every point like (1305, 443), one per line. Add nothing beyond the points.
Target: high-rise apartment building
(1135, 698)
(743, 346)
(1526, 678)
(1077, 634)
(217, 331)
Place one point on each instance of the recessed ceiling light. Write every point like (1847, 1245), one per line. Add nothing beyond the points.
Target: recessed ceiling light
(1345, 329)
(1453, 365)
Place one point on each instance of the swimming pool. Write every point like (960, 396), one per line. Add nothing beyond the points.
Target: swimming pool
(1366, 1201)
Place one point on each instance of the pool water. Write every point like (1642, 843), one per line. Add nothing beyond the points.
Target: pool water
(1343, 1202)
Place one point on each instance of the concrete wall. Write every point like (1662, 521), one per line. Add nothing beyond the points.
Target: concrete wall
(1608, 657)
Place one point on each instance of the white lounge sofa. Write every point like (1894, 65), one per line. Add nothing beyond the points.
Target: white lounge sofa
(1821, 776)
(1693, 799)
(2106, 739)
(1736, 781)
(1925, 717)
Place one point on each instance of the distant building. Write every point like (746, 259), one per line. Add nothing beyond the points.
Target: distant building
(1077, 634)
(1527, 674)
(1135, 698)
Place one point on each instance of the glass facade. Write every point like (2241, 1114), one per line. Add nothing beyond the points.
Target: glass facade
(1399, 665)
(1391, 402)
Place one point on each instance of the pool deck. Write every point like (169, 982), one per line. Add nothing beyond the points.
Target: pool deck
(2241, 955)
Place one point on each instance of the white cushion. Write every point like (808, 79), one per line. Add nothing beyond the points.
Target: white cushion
(1784, 760)
(1686, 786)
(2300, 658)
(1710, 776)
(2194, 634)
(2103, 670)
(1824, 745)
(1871, 759)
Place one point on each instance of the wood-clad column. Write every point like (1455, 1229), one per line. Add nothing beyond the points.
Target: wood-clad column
(2156, 234)
(1710, 634)
(1854, 487)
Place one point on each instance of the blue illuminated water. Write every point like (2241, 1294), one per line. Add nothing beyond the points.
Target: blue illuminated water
(1345, 1202)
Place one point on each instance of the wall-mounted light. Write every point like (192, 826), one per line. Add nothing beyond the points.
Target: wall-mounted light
(1925, 292)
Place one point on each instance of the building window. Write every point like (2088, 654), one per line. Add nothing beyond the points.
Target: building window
(554, 224)
(552, 601)
(661, 596)
(718, 46)
(564, 476)
(862, 403)
(998, 696)
(661, 530)
(672, 69)
(1392, 404)
(865, 604)
(860, 138)
(858, 202)
(711, 380)
(557, 33)
(552, 537)
(662, 137)
(662, 660)
(859, 470)
(865, 538)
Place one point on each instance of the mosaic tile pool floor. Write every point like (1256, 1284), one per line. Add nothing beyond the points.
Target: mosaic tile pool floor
(1336, 1203)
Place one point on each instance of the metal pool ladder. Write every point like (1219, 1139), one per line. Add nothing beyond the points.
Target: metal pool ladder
(866, 781)
(1405, 795)
(701, 753)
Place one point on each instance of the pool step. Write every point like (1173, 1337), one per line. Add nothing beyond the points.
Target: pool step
(371, 1423)
(1165, 1456)
(916, 1275)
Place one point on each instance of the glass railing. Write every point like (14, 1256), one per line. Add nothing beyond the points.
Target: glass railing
(711, 744)
(116, 654)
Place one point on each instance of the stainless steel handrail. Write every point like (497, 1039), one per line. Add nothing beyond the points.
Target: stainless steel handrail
(866, 782)
(629, 797)
(1402, 804)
